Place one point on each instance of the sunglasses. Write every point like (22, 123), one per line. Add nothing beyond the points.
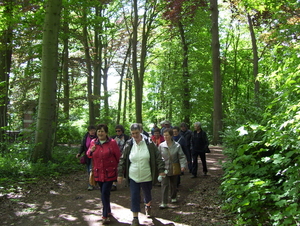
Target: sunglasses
(118, 130)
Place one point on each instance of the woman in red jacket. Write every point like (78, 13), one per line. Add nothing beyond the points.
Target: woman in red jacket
(105, 153)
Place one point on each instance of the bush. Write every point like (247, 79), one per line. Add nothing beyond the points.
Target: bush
(261, 181)
(15, 165)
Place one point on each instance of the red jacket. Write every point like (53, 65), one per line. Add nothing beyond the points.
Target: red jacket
(105, 159)
(158, 141)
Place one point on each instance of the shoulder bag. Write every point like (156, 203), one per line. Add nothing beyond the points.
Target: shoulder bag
(176, 170)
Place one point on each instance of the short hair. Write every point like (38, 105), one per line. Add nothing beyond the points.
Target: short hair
(136, 126)
(102, 126)
(183, 124)
(91, 127)
(120, 127)
(169, 130)
(177, 128)
(156, 130)
(197, 124)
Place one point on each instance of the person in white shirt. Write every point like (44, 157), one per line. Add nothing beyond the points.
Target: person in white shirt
(140, 164)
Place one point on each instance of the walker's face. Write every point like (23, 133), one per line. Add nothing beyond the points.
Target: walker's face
(119, 132)
(183, 128)
(136, 134)
(167, 137)
(101, 134)
(175, 132)
(156, 134)
(196, 127)
(92, 132)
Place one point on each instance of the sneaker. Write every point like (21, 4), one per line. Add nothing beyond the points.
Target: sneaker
(173, 200)
(163, 206)
(113, 188)
(148, 211)
(90, 188)
(135, 222)
(105, 220)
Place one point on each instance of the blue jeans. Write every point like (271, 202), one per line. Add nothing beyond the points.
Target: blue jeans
(135, 192)
(105, 188)
(89, 168)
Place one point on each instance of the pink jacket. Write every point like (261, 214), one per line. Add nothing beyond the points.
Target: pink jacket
(105, 159)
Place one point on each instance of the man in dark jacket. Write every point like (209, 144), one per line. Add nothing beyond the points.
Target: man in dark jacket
(199, 146)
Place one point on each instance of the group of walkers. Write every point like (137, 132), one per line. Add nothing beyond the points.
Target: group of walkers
(143, 160)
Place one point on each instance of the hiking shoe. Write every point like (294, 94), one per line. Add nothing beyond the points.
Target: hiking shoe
(135, 222)
(173, 200)
(148, 211)
(163, 206)
(113, 188)
(90, 188)
(105, 220)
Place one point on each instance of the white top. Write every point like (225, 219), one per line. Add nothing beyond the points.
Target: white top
(139, 169)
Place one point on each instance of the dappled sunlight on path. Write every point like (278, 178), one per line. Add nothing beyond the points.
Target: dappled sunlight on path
(66, 202)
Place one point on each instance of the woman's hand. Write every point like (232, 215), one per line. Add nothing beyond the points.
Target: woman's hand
(93, 148)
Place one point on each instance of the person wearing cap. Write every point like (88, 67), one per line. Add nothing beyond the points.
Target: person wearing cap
(166, 125)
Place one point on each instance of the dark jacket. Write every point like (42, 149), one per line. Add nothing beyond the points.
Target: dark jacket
(187, 136)
(199, 141)
(83, 148)
(156, 162)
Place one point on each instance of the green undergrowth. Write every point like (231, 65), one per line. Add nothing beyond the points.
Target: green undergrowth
(15, 167)
(262, 177)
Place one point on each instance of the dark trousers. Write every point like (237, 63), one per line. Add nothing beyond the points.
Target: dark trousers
(135, 191)
(195, 155)
(105, 188)
(189, 159)
(89, 167)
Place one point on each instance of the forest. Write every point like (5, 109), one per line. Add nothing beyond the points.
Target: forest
(232, 65)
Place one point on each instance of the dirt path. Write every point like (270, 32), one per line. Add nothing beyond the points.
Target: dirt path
(67, 202)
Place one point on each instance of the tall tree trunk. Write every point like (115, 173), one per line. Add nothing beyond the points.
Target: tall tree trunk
(5, 65)
(255, 58)
(105, 91)
(217, 114)
(137, 80)
(97, 64)
(185, 74)
(47, 97)
(65, 70)
(122, 73)
(89, 74)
